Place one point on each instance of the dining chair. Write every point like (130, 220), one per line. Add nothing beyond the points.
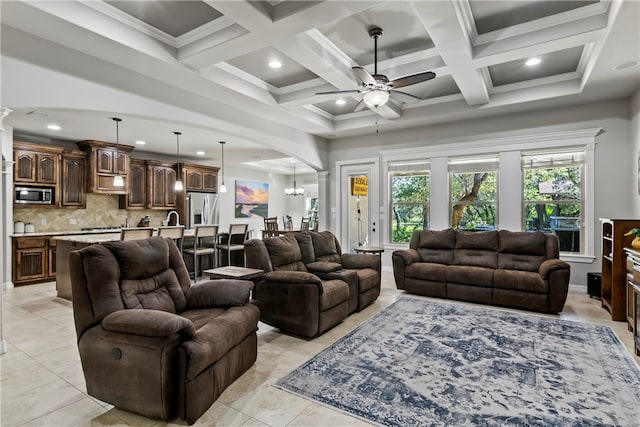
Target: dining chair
(134, 233)
(304, 224)
(204, 242)
(175, 232)
(288, 223)
(270, 227)
(237, 235)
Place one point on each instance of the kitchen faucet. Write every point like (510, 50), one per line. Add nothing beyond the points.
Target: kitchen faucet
(177, 217)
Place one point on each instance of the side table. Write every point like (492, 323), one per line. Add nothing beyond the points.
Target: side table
(376, 250)
(234, 272)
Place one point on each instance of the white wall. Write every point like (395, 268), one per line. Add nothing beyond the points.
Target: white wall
(615, 156)
(635, 138)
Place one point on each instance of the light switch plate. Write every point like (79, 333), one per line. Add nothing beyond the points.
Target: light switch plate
(43, 221)
(73, 221)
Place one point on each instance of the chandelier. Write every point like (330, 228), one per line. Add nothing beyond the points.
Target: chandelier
(295, 190)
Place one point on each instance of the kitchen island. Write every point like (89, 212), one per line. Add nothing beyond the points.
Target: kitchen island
(66, 244)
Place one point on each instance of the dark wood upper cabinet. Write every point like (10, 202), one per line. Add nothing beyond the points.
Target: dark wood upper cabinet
(73, 186)
(104, 162)
(201, 178)
(137, 196)
(36, 164)
(162, 179)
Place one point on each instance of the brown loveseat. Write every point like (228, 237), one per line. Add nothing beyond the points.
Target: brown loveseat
(505, 268)
(149, 341)
(309, 285)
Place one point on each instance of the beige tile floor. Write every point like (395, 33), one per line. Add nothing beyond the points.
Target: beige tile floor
(42, 382)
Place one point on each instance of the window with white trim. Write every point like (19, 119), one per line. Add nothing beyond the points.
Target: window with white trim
(473, 193)
(409, 185)
(554, 196)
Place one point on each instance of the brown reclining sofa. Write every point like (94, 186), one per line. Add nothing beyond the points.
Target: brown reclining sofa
(310, 285)
(505, 268)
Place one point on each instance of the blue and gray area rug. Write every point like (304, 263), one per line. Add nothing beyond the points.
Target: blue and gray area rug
(426, 363)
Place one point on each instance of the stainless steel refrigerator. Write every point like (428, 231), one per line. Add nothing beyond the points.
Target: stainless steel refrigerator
(202, 208)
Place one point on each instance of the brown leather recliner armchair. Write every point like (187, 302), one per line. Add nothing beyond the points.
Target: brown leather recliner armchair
(289, 297)
(149, 341)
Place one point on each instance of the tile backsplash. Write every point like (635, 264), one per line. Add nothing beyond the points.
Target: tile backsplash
(102, 211)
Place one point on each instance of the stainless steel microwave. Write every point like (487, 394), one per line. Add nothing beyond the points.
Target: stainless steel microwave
(34, 195)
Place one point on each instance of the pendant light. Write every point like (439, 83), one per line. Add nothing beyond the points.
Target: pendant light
(118, 180)
(295, 190)
(223, 188)
(178, 185)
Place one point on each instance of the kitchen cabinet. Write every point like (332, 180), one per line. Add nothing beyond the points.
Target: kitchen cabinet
(51, 258)
(136, 198)
(30, 260)
(35, 164)
(200, 178)
(162, 180)
(73, 177)
(105, 161)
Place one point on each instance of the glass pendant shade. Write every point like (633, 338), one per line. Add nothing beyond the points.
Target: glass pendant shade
(376, 98)
(118, 181)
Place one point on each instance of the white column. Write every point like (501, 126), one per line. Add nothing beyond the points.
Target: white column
(439, 203)
(6, 228)
(510, 191)
(324, 211)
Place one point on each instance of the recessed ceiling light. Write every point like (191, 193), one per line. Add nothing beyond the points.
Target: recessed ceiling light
(140, 142)
(626, 65)
(532, 61)
(275, 64)
(200, 153)
(53, 126)
(341, 102)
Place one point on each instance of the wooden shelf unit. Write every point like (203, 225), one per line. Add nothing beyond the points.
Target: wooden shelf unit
(614, 268)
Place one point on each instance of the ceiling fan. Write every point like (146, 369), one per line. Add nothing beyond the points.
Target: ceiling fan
(376, 87)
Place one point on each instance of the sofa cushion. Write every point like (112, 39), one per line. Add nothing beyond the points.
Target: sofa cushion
(483, 240)
(161, 291)
(426, 270)
(324, 246)
(522, 242)
(219, 293)
(306, 247)
(475, 258)
(217, 331)
(520, 281)
(141, 258)
(334, 292)
(434, 246)
(469, 275)
(285, 253)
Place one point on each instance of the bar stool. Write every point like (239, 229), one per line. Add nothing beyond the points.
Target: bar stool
(175, 232)
(134, 233)
(237, 235)
(204, 243)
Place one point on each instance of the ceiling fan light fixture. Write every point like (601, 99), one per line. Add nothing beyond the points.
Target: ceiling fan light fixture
(376, 98)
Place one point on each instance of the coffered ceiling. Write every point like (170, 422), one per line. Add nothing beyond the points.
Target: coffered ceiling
(202, 67)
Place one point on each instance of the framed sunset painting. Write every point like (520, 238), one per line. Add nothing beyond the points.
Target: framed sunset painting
(252, 199)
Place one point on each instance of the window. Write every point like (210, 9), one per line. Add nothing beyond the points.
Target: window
(409, 184)
(473, 190)
(553, 196)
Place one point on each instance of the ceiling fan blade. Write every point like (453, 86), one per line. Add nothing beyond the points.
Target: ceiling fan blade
(364, 76)
(334, 92)
(403, 96)
(411, 80)
(360, 106)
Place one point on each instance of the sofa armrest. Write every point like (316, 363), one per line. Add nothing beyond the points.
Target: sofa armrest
(148, 323)
(294, 278)
(548, 266)
(360, 261)
(409, 256)
(219, 293)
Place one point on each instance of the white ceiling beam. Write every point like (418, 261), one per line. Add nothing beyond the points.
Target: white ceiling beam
(450, 36)
(265, 32)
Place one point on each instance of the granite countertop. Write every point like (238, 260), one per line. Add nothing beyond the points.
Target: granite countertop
(91, 238)
(66, 233)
